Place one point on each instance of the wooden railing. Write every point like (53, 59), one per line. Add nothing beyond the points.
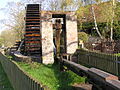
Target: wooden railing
(99, 79)
(18, 78)
(107, 62)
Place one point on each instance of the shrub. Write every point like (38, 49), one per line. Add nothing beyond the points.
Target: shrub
(118, 54)
(82, 36)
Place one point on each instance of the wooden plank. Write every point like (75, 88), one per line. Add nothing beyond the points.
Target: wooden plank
(33, 22)
(32, 10)
(32, 41)
(29, 35)
(101, 75)
(32, 25)
(80, 67)
(114, 83)
(32, 14)
(34, 28)
(32, 19)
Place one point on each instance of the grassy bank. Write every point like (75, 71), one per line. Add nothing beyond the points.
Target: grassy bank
(4, 82)
(50, 76)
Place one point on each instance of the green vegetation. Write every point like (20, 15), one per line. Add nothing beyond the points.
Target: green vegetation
(118, 54)
(83, 36)
(107, 15)
(50, 76)
(4, 82)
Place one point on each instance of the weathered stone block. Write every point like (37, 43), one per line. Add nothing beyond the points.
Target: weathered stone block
(47, 42)
(71, 33)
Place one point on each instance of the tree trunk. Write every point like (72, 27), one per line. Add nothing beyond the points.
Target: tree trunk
(111, 30)
(95, 22)
(112, 20)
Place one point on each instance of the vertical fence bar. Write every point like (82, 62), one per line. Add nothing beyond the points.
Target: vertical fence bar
(118, 59)
(117, 64)
(17, 77)
(106, 62)
(39, 86)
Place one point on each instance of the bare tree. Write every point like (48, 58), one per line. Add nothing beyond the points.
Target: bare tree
(8, 38)
(64, 5)
(15, 21)
(94, 17)
(53, 5)
(112, 20)
(95, 22)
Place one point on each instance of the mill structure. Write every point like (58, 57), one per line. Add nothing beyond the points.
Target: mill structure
(32, 30)
(49, 33)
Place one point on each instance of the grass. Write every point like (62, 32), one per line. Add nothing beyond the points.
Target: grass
(117, 54)
(4, 82)
(50, 76)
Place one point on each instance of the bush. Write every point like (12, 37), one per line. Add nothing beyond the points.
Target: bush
(118, 54)
(82, 36)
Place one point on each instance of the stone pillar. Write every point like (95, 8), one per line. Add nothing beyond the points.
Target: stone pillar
(47, 38)
(71, 32)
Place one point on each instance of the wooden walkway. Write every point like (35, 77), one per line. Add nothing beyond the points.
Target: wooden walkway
(4, 82)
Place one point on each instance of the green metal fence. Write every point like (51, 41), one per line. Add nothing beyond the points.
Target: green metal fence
(106, 62)
(18, 78)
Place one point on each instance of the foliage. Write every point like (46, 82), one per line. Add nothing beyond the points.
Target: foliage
(83, 12)
(1, 42)
(104, 17)
(14, 24)
(50, 75)
(7, 38)
(88, 28)
(83, 36)
(118, 54)
(64, 5)
(15, 12)
(116, 34)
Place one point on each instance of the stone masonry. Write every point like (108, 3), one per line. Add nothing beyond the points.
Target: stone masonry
(71, 31)
(47, 38)
(47, 35)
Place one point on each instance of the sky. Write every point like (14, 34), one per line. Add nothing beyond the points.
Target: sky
(3, 14)
(3, 3)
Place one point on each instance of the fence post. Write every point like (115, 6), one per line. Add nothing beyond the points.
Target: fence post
(39, 87)
(88, 58)
(116, 64)
(118, 61)
(18, 78)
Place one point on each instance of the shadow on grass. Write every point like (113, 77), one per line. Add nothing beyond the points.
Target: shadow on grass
(65, 79)
(51, 76)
